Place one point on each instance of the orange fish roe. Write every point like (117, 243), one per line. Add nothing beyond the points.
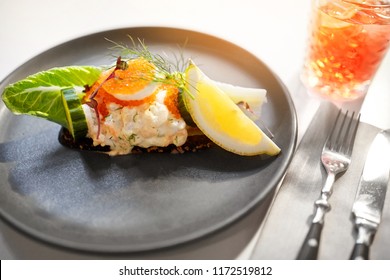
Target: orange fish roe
(138, 74)
(171, 99)
(134, 78)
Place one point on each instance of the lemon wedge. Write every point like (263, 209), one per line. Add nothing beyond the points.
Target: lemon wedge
(255, 97)
(250, 100)
(221, 120)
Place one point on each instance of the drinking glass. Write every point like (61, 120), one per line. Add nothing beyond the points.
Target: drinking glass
(347, 42)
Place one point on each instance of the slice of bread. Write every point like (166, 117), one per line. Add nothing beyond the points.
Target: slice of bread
(195, 142)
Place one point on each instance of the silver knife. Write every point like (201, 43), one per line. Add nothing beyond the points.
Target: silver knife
(371, 193)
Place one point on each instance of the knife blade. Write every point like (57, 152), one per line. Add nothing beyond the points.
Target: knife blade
(371, 193)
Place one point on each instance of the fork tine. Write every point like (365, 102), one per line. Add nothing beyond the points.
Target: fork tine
(344, 145)
(353, 135)
(329, 141)
(342, 135)
(350, 134)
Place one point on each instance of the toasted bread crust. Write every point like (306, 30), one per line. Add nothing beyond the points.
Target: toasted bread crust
(193, 144)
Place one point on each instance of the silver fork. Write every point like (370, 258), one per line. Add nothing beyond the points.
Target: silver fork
(336, 158)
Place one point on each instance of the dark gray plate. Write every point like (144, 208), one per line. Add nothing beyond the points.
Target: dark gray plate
(94, 202)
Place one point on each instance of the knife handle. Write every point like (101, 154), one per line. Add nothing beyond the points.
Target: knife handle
(360, 252)
(309, 249)
(366, 232)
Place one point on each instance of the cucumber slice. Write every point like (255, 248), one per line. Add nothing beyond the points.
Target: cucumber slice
(75, 117)
(183, 110)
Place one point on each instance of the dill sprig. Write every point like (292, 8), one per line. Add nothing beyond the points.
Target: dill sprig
(167, 71)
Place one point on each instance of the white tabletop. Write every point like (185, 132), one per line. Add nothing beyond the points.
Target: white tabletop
(275, 31)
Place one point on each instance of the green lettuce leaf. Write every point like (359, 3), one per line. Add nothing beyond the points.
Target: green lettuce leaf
(40, 94)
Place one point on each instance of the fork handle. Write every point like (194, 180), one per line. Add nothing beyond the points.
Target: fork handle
(309, 249)
(360, 252)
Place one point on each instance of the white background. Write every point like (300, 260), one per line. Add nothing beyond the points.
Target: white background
(275, 31)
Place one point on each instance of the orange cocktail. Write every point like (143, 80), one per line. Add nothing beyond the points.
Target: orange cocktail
(348, 41)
